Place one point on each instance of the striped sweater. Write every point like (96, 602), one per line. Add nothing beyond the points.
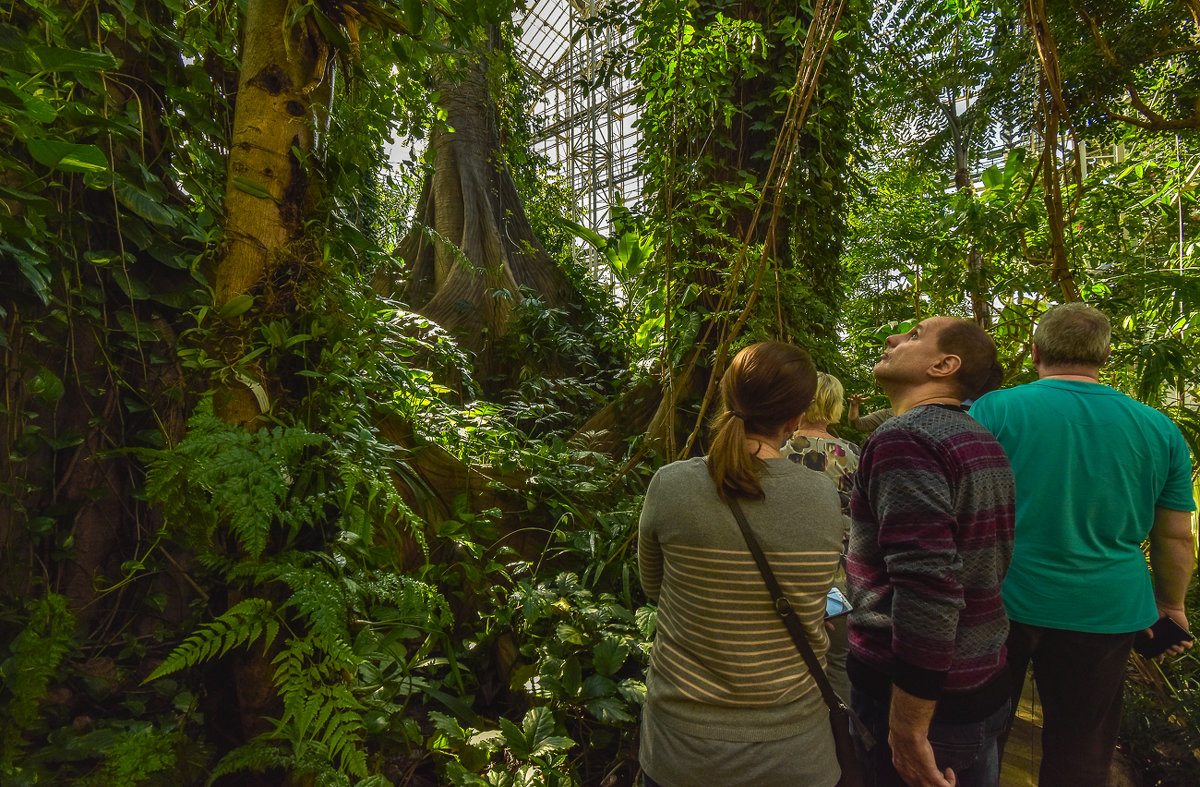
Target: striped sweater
(723, 665)
(930, 543)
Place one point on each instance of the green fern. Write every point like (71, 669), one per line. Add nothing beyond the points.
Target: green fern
(250, 620)
(318, 596)
(143, 755)
(221, 472)
(318, 706)
(35, 655)
(258, 755)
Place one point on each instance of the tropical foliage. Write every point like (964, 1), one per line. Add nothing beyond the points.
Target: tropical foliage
(269, 519)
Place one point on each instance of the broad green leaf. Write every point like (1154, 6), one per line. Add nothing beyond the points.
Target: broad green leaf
(634, 691)
(569, 634)
(598, 686)
(514, 739)
(538, 725)
(414, 16)
(488, 739)
(608, 710)
(572, 677)
(251, 187)
(67, 156)
(592, 237)
(236, 306)
(609, 656)
(551, 743)
(298, 13)
(992, 177)
(35, 271)
(144, 205)
(331, 31)
(56, 59)
(448, 725)
(46, 385)
(36, 107)
(647, 619)
(133, 288)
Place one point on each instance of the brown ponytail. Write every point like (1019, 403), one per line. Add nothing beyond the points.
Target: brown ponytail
(766, 385)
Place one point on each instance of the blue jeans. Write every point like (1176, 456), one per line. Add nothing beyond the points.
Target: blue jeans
(969, 748)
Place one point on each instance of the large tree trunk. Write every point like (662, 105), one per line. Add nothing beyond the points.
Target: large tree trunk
(266, 202)
(267, 193)
(781, 254)
(976, 275)
(472, 248)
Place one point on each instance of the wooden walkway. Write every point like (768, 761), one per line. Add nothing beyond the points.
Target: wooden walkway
(1023, 753)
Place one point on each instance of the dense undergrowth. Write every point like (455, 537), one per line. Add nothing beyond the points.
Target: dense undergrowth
(1160, 722)
(403, 574)
(499, 647)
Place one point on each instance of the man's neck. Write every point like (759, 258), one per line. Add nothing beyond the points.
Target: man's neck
(1083, 374)
(905, 399)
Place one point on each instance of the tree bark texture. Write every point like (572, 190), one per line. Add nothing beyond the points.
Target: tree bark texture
(266, 201)
(472, 247)
(273, 121)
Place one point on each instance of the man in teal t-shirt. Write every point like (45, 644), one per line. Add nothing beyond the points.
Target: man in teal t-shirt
(1096, 473)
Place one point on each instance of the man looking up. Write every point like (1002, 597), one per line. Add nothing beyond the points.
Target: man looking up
(930, 540)
(1096, 471)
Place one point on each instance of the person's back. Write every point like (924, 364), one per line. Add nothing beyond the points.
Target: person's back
(1090, 465)
(1096, 473)
(729, 699)
(720, 649)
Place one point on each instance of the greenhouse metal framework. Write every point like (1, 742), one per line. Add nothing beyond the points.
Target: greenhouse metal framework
(588, 112)
(588, 122)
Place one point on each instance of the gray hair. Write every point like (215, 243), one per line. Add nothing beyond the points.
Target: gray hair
(1073, 334)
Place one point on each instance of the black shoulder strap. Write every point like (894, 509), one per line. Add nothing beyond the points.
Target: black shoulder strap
(784, 608)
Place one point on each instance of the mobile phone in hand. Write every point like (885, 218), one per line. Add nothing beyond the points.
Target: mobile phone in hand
(836, 604)
(1167, 634)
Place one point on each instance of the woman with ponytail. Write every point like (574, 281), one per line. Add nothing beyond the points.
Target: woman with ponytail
(729, 699)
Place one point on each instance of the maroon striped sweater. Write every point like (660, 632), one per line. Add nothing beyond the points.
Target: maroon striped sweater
(931, 540)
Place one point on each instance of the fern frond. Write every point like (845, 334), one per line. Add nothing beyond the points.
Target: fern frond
(250, 620)
(229, 474)
(36, 654)
(321, 600)
(258, 755)
(317, 705)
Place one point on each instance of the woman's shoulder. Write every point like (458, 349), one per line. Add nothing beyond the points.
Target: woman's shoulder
(682, 472)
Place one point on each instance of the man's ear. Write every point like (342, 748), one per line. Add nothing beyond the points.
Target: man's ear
(946, 366)
(1036, 354)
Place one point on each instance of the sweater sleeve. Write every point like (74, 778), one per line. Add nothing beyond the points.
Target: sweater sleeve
(910, 487)
(650, 559)
(871, 421)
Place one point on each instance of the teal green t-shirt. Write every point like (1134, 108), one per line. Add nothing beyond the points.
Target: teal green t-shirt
(1090, 464)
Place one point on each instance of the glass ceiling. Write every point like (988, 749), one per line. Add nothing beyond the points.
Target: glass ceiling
(587, 128)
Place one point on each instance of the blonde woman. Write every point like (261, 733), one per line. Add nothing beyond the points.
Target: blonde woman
(815, 447)
(729, 700)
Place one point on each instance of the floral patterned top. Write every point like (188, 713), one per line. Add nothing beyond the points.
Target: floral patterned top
(835, 457)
